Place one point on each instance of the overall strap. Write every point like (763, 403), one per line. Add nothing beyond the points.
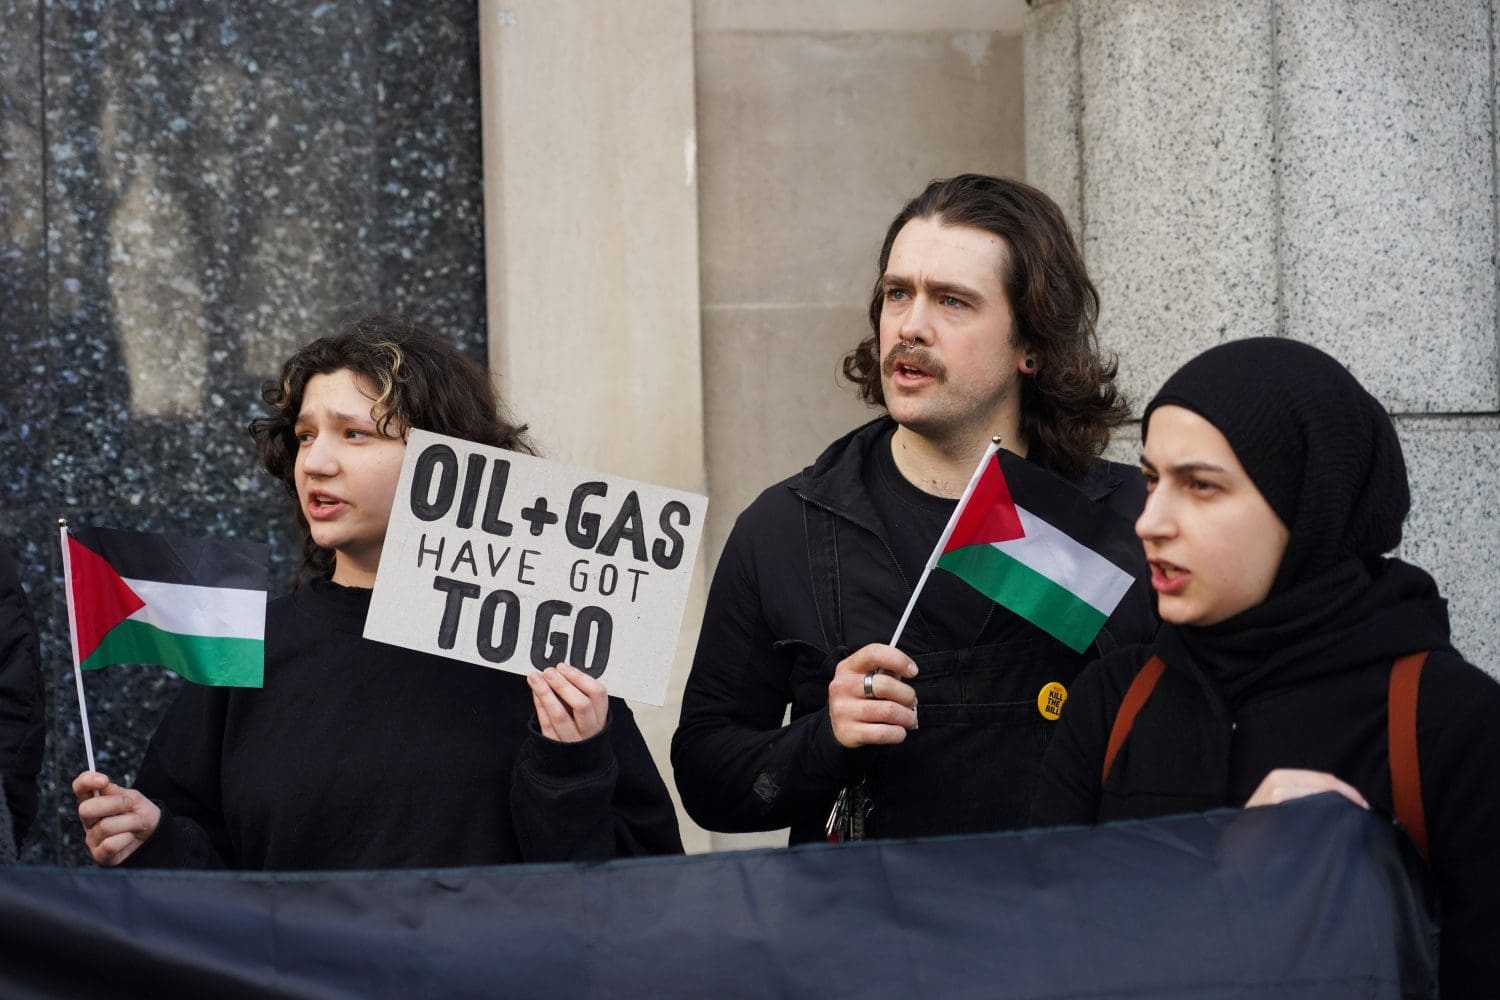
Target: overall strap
(821, 528)
(1135, 697)
(1401, 737)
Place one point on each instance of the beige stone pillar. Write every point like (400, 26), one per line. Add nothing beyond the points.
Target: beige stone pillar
(591, 232)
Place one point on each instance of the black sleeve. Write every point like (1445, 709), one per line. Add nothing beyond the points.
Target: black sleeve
(1069, 786)
(1458, 747)
(22, 732)
(180, 773)
(596, 799)
(737, 767)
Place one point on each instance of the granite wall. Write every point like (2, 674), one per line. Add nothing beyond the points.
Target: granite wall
(1321, 171)
(189, 191)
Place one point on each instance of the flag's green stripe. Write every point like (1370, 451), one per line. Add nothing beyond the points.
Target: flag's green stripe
(201, 659)
(1014, 585)
(1067, 562)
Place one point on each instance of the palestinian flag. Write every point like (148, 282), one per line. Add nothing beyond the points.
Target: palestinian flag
(195, 606)
(1049, 570)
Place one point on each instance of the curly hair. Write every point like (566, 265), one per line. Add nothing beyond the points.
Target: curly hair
(419, 381)
(1070, 403)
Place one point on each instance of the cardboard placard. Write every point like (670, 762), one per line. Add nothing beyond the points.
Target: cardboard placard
(514, 562)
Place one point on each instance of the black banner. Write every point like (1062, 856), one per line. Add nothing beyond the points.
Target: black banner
(1311, 899)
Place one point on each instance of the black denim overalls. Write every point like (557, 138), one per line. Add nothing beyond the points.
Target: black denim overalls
(971, 765)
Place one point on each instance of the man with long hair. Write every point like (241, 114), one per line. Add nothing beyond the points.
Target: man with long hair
(981, 324)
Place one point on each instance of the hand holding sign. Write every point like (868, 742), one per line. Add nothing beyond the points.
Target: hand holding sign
(510, 561)
(570, 705)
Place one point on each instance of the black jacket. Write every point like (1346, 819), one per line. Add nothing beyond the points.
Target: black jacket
(1334, 723)
(808, 575)
(358, 754)
(21, 696)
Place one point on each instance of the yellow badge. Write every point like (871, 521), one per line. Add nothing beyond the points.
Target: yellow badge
(1049, 701)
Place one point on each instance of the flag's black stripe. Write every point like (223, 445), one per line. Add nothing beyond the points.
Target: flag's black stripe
(200, 562)
(1068, 509)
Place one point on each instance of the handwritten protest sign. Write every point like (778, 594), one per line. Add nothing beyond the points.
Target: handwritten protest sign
(517, 563)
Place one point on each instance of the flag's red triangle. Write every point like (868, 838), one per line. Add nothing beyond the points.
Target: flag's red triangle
(990, 515)
(101, 598)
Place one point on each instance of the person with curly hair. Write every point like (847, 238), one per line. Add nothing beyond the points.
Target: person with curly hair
(357, 754)
(981, 324)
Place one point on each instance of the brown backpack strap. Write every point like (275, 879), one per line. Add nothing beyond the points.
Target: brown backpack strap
(1401, 736)
(1135, 696)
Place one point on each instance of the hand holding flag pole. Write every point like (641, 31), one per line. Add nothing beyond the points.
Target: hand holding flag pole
(83, 710)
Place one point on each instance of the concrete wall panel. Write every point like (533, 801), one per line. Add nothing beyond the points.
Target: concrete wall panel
(809, 143)
(1054, 106)
(1453, 531)
(1387, 153)
(1323, 171)
(592, 249)
(1178, 179)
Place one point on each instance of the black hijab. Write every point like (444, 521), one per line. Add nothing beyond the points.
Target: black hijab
(1324, 454)
(1320, 449)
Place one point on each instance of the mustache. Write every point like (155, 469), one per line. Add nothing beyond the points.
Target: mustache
(911, 353)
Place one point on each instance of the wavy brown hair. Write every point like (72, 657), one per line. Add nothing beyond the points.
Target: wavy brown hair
(1070, 403)
(419, 380)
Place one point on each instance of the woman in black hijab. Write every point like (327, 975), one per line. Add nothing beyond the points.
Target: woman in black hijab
(1276, 487)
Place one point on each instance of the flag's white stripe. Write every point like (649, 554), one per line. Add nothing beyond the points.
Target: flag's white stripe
(213, 611)
(1067, 563)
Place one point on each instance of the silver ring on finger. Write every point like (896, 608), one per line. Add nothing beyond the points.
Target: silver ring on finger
(869, 685)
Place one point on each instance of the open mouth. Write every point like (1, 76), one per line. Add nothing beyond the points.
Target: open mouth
(911, 364)
(1167, 577)
(323, 505)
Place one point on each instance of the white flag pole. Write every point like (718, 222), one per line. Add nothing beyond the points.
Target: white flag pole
(83, 709)
(937, 550)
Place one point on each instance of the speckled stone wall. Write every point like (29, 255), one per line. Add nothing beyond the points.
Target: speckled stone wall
(189, 191)
(1323, 171)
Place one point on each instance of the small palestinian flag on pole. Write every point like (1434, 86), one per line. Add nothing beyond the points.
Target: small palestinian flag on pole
(1060, 572)
(195, 606)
